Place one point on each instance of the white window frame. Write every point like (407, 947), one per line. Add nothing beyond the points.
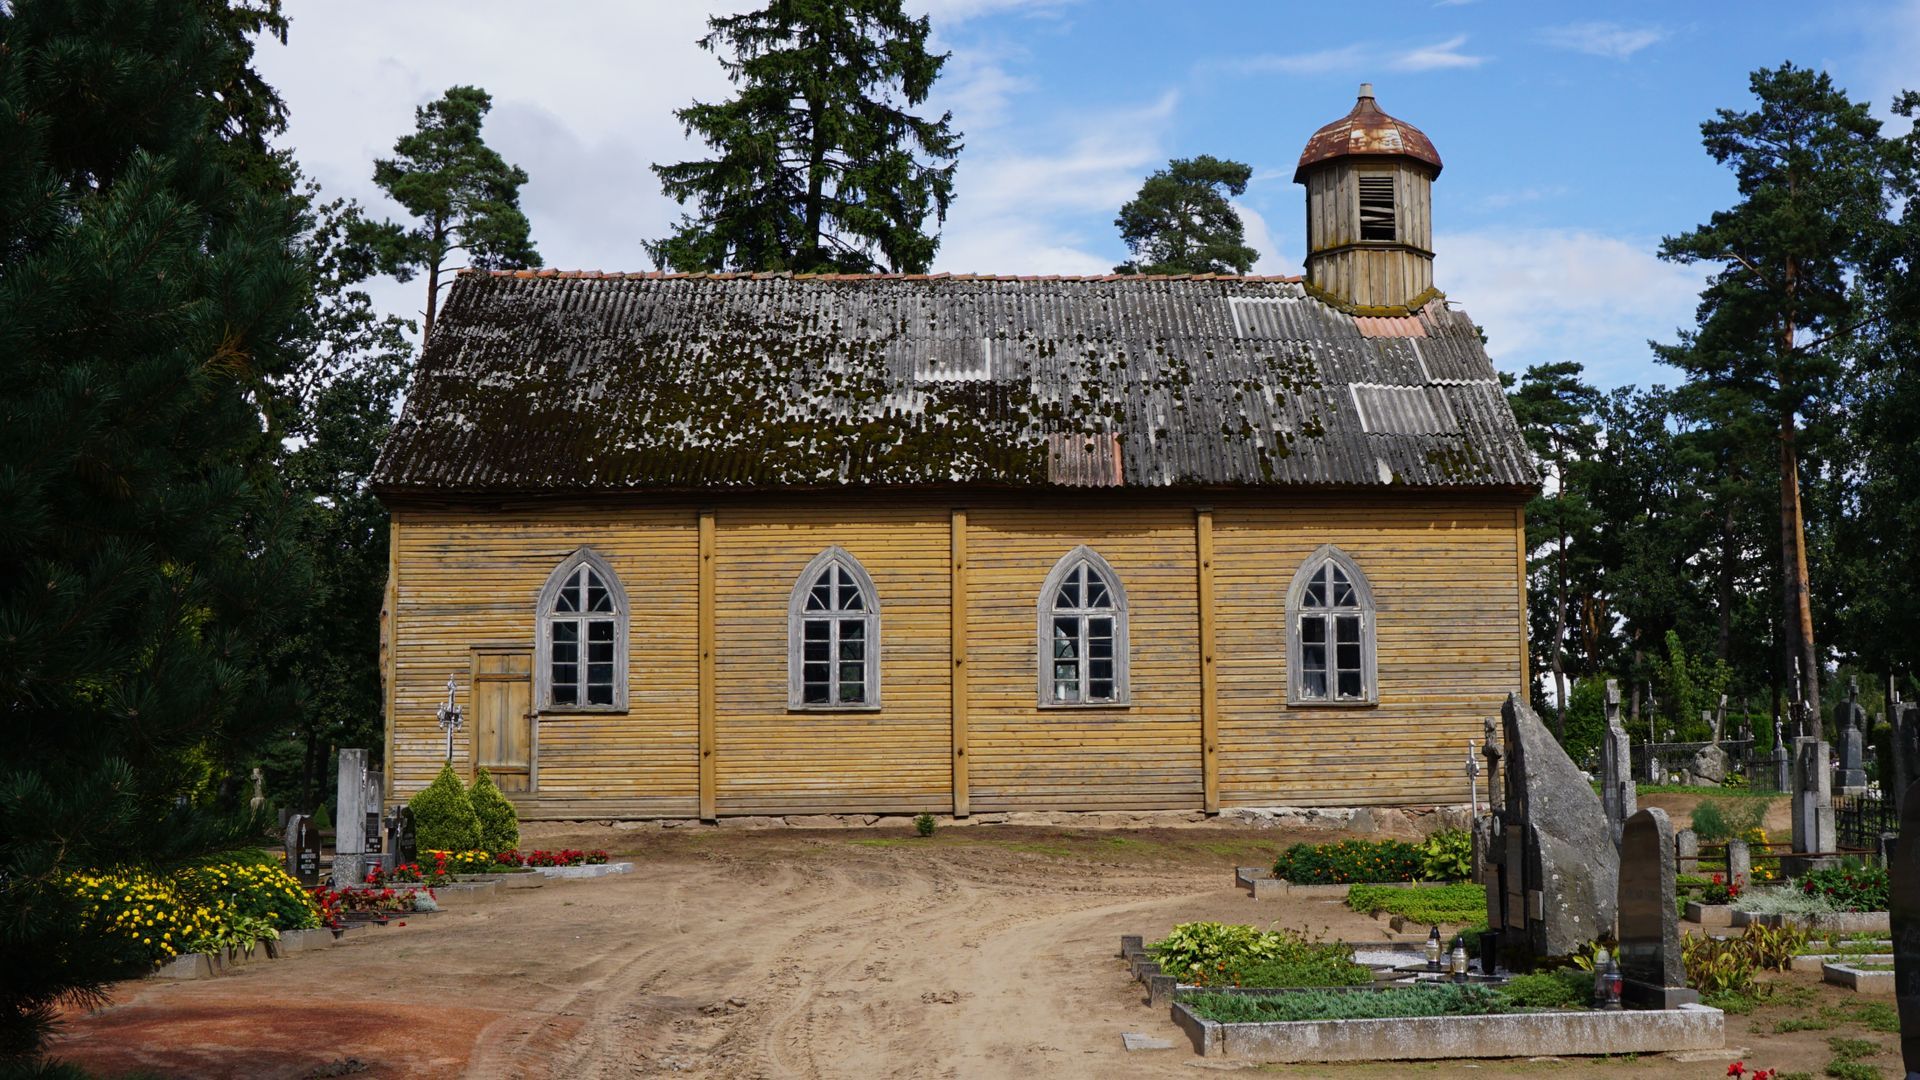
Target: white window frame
(796, 637)
(1043, 653)
(622, 618)
(1362, 606)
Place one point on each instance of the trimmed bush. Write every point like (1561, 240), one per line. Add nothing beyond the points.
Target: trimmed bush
(1458, 904)
(1348, 861)
(1442, 1000)
(443, 817)
(499, 824)
(1234, 954)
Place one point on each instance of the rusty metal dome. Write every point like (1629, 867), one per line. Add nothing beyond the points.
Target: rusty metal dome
(1366, 131)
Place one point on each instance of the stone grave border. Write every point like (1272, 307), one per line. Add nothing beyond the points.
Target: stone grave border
(1531, 1035)
(1260, 882)
(1839, 922)
(1856, 979)
(1709, 914)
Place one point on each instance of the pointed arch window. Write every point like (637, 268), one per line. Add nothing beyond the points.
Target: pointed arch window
(833, 636)
(1330, 629)
(580, 655)
(1083, 633)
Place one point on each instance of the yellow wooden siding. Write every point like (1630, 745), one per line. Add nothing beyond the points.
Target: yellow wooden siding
(1447, 613)
(770, 760)
(1146, 755)
(471, 578)
(1443, 573)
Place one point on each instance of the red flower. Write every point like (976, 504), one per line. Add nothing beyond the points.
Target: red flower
(1738, 1068)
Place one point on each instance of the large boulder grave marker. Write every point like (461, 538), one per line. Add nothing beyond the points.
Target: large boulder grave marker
(1651, 970)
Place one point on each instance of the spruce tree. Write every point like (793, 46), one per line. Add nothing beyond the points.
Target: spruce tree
(148, 283)
(1182, 223)
(819, 163)
(465, 195)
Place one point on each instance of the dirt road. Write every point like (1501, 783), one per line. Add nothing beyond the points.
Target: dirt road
(982, 952)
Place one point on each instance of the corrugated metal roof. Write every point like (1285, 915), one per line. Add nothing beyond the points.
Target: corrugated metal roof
(545, 382)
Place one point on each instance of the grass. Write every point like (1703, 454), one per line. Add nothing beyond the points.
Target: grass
(1696, 789)
(1801, 1023)
(1396, 1003)
(1734, 1002)
(1465, 902)
(1846, 1063)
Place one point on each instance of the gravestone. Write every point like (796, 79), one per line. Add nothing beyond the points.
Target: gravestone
(1813, 825)
(350, 834)
(1486, 836)
(1739, 863)
(1652, 975)
(1851, 777)
(1617, 796)
(374, 850)
(259, 801)
(1555, 855)
(1782, 761)
(303, 850)
(1710, 765)
(1686, 851)
(1905, 744)
(401, 847)
(1903, 912)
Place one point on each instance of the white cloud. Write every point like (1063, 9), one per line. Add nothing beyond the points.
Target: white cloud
(1445, 55)
(1545, 295)
(1260, 237)
(1608, 39)
(952, 12)
(1367, 56)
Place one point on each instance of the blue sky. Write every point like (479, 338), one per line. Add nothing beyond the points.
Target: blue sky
(1570, 132)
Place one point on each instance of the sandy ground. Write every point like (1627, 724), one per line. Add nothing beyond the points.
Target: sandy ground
(982, 952)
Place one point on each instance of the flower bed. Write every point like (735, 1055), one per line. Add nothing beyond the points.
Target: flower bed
(1456, 904)
(1444, 856)
(1232, 954)
(1399, 1001)
(224, 904)
(340, 906)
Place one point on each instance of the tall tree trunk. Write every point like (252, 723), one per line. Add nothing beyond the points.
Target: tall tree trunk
(437, 256)
(1560, 616)
(1793, 569)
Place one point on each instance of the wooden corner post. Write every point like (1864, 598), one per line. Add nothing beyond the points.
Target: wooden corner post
(1209, 704)
(957, 605)
(707, 666)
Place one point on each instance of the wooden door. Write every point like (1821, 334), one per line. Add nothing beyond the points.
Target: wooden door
(503, 716)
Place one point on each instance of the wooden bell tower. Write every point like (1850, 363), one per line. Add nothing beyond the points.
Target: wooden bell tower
(1369, 180)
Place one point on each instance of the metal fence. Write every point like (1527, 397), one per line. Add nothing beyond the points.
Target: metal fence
(1673, 757)
(1858, 820)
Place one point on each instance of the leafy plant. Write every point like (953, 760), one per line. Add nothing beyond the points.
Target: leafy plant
(443, 817)
(1346, 861)
(1447, 856)
(1443, 1000)
(1772, 947)
(1718, 820)
(1786, 900)
(1716, 966)
(1852, 886)
(1564, 988)
(1206, 946)
(1465, 902)
(499, 823)
(1720, 891)
(923, 825)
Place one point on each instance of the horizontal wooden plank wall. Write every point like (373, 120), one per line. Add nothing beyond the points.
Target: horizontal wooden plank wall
(1025, 757)
(1447, 606)
(1443, 573)
(471, 578)
(772, 761)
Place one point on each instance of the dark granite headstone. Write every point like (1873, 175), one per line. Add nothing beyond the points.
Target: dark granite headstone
(1903, 911)
(1650, 967)
(303, 849)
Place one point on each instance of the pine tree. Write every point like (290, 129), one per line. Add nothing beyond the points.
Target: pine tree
(465, 195)
(1780, 309)
(820, 165)
(147, 290)
(1182, 223)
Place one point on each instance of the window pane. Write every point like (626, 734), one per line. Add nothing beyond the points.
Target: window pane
(1069, 596)
(1100, 647)
(815, 672)
(600, 693)
(600, 674)
(569, 596)
(852, 647)
(1066, 682)
(564, 693)
(1099, 689)
(850, 599)
(1313, 629)
(1097, 595)
(600, 630)
(1313, 658)
(855, 629)
(1098, 670)
(1313, 683)
(1100, 627)
(1347, 656)
(814, 692)
(1346, 629)
(1316, 594)
(852, 687)
(566, 630)
(816, 652)
(597, 597)
(1066, 638)
(1350, 684)
(820, 596)
(815, 629)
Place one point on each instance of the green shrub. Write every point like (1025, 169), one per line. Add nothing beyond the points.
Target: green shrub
(322, 822)
(923, 825)
(1465, 902)
(1443, 1000)
(1720, 820)
(1348, 861)
(1447, 856)
(1565, 988)
(1234, 954)
(499, 824)
(443, 817)
(1853, 886)
(248, 888)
